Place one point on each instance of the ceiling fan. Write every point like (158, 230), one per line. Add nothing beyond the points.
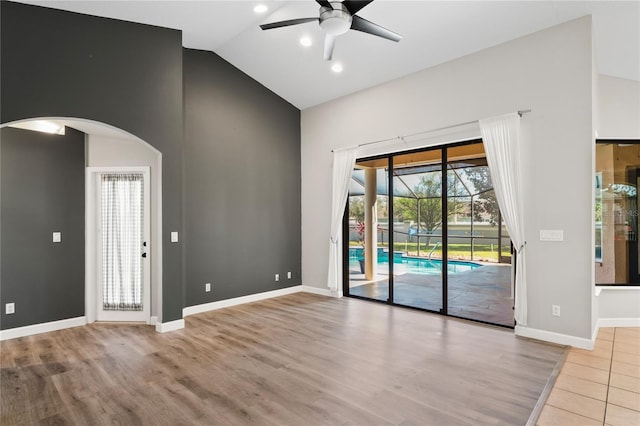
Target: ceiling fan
(337, 18)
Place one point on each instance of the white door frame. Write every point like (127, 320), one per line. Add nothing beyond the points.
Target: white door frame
(93, 280)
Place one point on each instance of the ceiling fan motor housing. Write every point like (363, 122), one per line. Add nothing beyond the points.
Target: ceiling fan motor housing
(335, 21)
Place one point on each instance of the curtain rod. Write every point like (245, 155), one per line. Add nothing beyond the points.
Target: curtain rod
(399, 138)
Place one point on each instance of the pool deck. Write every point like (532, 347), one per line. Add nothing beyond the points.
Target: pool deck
(482, 294)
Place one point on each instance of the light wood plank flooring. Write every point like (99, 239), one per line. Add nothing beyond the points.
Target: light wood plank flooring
(300, 359)
(599, 387)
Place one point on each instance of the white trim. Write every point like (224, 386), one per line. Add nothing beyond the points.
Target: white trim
(158, 243)
(206, 307)
(164, 327)
(550, 336)
(601, 288)
(29, 330)
(618, 322)
(320, 291)
(92, 240)
(45, 327)
(90, 244)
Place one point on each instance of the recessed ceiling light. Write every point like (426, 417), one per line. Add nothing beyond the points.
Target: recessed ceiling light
(337, 68)
(261, 8)
(306, 41)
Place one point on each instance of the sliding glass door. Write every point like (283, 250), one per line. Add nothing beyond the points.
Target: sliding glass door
(439, 243)
(417, 214)
(369, 231)
(478, 266)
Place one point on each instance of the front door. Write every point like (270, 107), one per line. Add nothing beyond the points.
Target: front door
(123, 282)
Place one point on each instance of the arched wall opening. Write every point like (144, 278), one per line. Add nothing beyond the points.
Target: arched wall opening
(105, 146)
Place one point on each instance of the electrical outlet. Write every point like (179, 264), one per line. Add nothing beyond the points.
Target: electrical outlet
(207, 287)
(288, 275)
(277, 277)
(555, 310)
(10, 308)
(57, 237)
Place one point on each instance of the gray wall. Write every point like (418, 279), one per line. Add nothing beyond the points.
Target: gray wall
(42, 191)
(56, 63)
(242, 183)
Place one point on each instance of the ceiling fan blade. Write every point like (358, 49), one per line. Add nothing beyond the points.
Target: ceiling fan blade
(324, 3)
(354, 6)
(329, 43)
(361, 24)
(287, 23)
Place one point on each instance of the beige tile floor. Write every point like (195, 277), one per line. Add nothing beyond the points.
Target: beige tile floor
(598, 387)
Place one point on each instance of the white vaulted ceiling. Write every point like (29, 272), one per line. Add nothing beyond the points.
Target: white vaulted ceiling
(433, 32)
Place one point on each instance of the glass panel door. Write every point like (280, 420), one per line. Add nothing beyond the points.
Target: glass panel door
(369, 231)
(123, 264)
(478, 284)
(417, 213)
(425, 231)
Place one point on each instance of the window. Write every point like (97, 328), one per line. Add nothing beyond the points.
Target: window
(617, 178)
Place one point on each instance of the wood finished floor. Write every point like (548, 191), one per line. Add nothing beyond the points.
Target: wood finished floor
(300, 359)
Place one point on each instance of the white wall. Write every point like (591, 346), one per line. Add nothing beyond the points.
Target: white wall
(549, 72)
(618, 118)
(103, 151)
(619, 307)
(618, 108)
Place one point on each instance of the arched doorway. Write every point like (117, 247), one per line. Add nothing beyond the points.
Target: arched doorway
(107, 147)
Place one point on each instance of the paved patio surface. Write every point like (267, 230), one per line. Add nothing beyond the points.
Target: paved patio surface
(481, 294)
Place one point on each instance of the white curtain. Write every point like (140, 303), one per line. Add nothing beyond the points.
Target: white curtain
(343, 163)
(122, 238)
(501, 137)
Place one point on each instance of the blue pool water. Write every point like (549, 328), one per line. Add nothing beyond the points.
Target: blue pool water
(413, 265)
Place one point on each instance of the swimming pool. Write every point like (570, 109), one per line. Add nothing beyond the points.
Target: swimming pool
(411, 265)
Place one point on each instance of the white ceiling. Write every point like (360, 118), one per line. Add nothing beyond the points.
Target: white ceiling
(434, 32)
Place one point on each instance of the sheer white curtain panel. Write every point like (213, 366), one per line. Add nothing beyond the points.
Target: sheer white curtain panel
(501, 137)
(343, 162)
(122, 235)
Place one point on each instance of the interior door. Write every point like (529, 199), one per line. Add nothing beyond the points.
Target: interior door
(122, 252)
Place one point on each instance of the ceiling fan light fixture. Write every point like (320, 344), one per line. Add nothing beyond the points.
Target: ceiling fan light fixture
(335, 21)
(337, 18)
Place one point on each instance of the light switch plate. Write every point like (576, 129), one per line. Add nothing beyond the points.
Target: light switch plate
(174, 237)
(10, 308)
(551, 235)
(57, 237)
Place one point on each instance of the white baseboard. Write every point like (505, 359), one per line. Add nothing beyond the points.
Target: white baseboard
(550, 336)
(212, 306)
(618, 322)
(29, 330)
(164, 327)
(320, 291)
